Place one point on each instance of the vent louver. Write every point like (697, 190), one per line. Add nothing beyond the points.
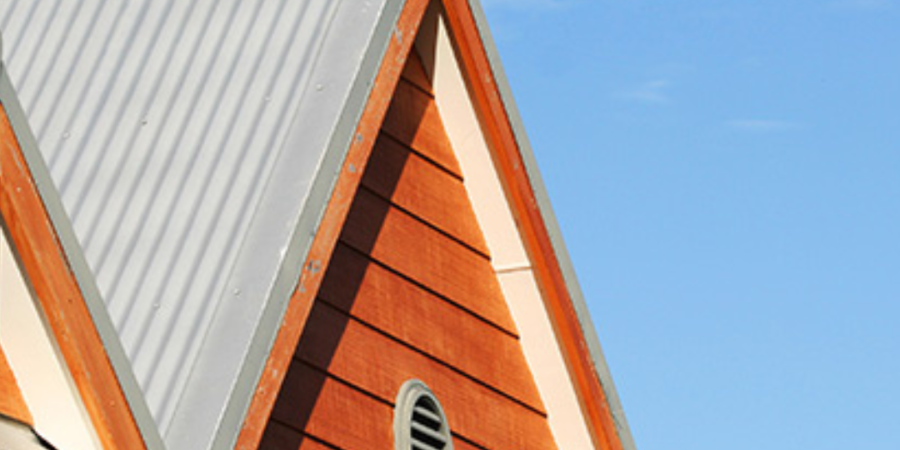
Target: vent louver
(419, 421)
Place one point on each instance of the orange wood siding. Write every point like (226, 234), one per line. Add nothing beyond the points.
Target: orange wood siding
(426, 133)
(403, 311)
(427, 256)
(12, 404)
(409, 293)
(415, 184)
(414, 72)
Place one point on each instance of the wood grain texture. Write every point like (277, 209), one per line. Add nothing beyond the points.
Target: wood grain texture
(332, 411)
(459, 444)
(419, 187)
(423, 133)
(376, 364)
(426, 256)
(283, 437)
(12, 404)
(328, 422)
(418, 318)
(415, 73)
(47, 270)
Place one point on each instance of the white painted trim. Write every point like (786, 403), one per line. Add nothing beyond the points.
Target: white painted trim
(509, 258)
(43, 378)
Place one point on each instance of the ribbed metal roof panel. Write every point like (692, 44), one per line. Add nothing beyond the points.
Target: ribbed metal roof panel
(166, 125)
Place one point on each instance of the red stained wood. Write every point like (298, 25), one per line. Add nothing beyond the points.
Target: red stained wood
(413, 315)
(283, 437)
(12, 404)
(459, 444)
(333, 412)
(427, 256)
(413, 119)
(376, 364)
(415, 73)
(46, 267)
(418, 186)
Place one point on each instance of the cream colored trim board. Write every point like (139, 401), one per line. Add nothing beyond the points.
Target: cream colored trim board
(45, 382)
(509, 258)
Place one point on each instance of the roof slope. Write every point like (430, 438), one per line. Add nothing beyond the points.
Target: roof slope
(185, 138)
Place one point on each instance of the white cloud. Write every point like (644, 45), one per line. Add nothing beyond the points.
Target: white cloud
(761, 125)
(653, 91)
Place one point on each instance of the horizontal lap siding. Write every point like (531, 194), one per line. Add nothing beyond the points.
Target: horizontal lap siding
(279, 436)
(427, 136)
(377, 365)
(409, 293)
(408, 313)
(415, 184)
(427, 256)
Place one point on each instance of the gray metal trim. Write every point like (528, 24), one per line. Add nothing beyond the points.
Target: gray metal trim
(308, 221)
(562, 255)
(75, 256)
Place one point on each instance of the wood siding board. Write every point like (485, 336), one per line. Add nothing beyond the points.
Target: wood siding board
(332, 411)
(346, 349)
(425, 135)
(386, 135)
(420, 188)
(498, 129)
(425, 255)
(46, 267)
(408, 313)
(415, 73)
(12, 404)
(462, 444)
(334, 216)
(282, 437)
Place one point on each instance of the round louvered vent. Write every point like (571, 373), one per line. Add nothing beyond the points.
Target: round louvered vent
(419, 421)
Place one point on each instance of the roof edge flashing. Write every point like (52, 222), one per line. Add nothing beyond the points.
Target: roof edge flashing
(304, 225)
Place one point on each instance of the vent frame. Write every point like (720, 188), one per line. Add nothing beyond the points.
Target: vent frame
(419, 419)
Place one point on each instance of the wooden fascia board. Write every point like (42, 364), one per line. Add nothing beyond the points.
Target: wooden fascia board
(44, 262)
(329, 228)
(513, 172)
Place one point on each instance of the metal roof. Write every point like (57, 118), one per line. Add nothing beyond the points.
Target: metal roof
(185, 138)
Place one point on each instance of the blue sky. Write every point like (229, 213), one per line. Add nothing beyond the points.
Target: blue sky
(727, 178)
